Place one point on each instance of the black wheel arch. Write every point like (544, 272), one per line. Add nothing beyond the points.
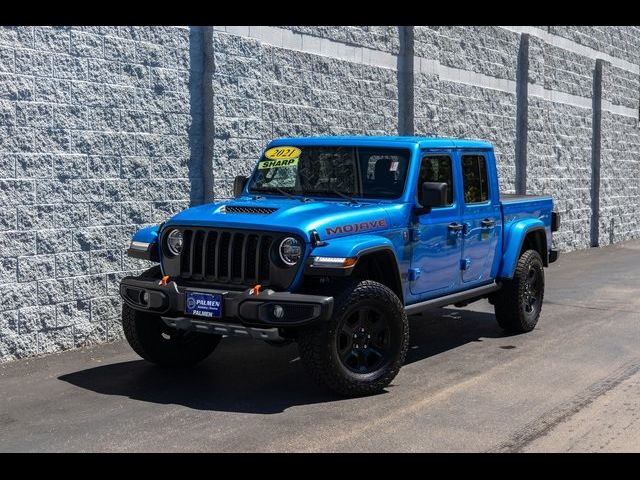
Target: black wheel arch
(381, 265)
(536, 239)
(374, 263)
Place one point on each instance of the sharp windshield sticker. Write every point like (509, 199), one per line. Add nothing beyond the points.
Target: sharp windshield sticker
(280, 157)
(293, 162)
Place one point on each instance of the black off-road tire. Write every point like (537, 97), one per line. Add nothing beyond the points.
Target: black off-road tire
(319, 345)
(514, 310)
(158, 343)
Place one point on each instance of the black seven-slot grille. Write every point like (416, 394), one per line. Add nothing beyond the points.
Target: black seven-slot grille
(229, 257)
(247, 209)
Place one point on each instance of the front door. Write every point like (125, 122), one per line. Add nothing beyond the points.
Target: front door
(435, 263)
(481, 218)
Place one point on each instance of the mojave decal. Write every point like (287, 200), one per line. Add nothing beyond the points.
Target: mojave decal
(356, 227)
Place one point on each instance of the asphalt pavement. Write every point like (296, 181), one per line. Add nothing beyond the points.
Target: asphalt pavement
(573, 384)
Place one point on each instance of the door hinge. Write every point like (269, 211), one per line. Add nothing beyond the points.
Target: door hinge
(414, 274)
(414, 234)
(465, 263)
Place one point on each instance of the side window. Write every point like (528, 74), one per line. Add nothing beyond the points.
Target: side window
(437, 168)
(474, 175)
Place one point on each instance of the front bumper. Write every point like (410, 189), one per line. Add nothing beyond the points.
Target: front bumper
(237, 306)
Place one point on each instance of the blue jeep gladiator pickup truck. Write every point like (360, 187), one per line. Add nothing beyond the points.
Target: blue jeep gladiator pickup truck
(332, 242)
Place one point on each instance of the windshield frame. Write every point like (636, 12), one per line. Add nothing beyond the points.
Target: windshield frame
(327, 194)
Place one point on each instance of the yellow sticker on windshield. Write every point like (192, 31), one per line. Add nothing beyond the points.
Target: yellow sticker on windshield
(283, 153)
(292, 162)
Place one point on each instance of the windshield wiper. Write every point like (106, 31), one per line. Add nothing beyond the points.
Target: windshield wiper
(344, 195)
(283, 192)
(287, 194)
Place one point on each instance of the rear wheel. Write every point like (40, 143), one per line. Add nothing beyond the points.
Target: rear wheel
(519, 303)
(361, 349)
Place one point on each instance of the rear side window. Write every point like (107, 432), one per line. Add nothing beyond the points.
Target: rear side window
(437, 168)
(474, 175)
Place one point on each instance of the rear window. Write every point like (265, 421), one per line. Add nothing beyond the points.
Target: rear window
(474, 175)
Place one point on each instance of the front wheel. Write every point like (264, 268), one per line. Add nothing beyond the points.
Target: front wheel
(519, 302)
(361, 349)
(158, 343)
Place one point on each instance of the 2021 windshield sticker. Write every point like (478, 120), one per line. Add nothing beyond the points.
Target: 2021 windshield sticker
(280, 157)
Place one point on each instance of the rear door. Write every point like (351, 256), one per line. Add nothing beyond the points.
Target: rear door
(436, 252)
(480, 215)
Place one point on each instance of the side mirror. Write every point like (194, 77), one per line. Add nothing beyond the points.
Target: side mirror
(432, 195)
(238, 185)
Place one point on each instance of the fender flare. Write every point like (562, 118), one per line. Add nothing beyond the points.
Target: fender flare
(144, 244)
(359, 247)
(514, 240)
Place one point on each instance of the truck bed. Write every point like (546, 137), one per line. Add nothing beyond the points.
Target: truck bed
(513, 197)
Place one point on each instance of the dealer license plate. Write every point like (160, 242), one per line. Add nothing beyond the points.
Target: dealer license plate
(203, 304)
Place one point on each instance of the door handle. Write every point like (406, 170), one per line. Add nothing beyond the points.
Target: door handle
(488, 223)
(455, 227)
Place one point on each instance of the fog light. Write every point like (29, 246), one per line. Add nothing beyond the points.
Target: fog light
(278, 311)
(144, 298)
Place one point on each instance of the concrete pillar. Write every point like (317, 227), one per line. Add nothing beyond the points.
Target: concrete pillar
(522, 114)
(207, 96)
(405, 81)
(596, 126)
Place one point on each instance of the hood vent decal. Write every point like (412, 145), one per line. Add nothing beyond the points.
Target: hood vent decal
(247, 209)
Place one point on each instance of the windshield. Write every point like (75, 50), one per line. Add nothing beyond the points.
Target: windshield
(363, 172)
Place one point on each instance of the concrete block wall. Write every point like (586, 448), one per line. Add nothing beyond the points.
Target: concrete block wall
(275, 82)
(620, 168)
(465, 88)
(560, 138)
(97, 133)
(107, 129)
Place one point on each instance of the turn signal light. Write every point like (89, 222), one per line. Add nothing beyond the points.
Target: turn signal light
(334, 262)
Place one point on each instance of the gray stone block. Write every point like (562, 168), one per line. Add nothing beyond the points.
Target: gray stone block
(53, 241)
(8, 270)
(34, 319)
(119, 49)
(35, 267)
(53, 39)
(87, 45)
(18, 295)
(53, 291)
(106, 261)
(72, 264)
(105, 308)
(68, 67)
(14, 346)
(31, 62)
(56, 340)
(34, 166)
(14, 244)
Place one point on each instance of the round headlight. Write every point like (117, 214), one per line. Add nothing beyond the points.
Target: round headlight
(290, 251)
(174, 242)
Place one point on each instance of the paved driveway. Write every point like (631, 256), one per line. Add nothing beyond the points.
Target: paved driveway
(573, 384)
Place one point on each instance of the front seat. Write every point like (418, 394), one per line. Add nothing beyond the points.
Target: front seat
(383, 176)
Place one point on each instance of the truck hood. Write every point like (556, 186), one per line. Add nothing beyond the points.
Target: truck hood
(331, 219)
